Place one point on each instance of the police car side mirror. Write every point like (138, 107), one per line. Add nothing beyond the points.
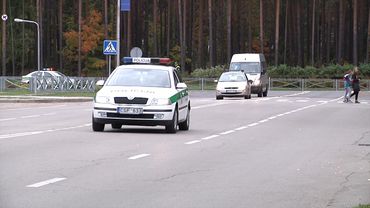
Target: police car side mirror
(215, 81)
(100, 83)
(250, 81)
(181, 85)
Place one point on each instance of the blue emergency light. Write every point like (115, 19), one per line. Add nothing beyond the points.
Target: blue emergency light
(137, 60)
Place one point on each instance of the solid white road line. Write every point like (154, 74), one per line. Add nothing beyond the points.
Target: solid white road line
(227, 132)
(31, 116)
(7, 119)
(208, 105)
(241, 128)
(253, 124)
(43, 183)
(6, 136)
(138, 156)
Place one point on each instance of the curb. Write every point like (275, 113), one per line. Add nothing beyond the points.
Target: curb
(42, 99)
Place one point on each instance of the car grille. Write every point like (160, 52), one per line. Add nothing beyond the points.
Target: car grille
(143, 116)
(125, 100)
(231, 88)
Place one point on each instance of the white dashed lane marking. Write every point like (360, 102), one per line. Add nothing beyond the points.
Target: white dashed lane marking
(138, 156)
(44, 183)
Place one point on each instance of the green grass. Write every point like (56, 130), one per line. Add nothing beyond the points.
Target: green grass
(363, 206)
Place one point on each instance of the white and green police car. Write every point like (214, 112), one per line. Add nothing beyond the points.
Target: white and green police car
(142, 92)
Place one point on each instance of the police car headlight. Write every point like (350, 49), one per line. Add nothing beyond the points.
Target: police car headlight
(160, 101)
(102, 99)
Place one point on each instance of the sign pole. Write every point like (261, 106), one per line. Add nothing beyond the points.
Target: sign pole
(109, 63)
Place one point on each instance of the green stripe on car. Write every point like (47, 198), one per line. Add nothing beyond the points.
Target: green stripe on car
(174, 98)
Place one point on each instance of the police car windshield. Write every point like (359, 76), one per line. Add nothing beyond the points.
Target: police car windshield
(246, 67)
(140, 78)
(232, 77)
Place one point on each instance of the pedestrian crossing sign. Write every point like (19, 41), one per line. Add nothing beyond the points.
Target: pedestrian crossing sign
(110, 47)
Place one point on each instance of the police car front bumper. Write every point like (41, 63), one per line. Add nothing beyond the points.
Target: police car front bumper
(148, 115)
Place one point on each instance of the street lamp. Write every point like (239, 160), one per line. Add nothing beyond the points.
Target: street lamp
(38, 39)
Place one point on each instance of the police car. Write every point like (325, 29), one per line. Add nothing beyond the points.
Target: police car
(144, 92)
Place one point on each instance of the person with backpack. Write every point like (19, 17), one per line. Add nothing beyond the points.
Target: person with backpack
(355, 84)
(347, 86)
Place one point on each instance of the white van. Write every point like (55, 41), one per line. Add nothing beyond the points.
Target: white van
(255, 67)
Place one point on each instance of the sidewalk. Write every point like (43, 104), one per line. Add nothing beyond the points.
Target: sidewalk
(42, 99)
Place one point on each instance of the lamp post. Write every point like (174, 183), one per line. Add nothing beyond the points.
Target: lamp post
(38, 39)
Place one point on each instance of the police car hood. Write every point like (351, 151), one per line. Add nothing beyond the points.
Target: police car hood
(132, 92)
(224, 85)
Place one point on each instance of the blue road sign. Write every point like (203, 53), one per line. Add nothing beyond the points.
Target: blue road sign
(125, 5)
(110, 47)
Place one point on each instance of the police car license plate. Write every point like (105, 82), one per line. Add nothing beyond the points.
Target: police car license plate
(130, 110)
(230, 91)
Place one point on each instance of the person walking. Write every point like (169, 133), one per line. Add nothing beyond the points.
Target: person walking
(355, 84)
(347, 86)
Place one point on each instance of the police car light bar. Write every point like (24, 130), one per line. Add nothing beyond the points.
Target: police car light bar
(132, 60)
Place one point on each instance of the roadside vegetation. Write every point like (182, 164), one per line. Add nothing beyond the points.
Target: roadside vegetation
(363, 206)
(333, 71)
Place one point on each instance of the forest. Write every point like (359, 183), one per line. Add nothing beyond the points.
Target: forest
(194, 33)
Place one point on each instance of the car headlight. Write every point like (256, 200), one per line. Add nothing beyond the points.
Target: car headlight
(257, 82)
(102, 99)
(160, 101)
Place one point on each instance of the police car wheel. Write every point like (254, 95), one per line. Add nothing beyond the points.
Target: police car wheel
(172, 127)
(97, 126)
(184, 126)
(219, 97)
(116, 126)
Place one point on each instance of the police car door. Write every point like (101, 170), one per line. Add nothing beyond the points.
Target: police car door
(183, 101)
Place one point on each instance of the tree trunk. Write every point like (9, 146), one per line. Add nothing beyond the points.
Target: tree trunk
(79, 35)
(277, 22)
(368, 39)
(340, 32)
(299, 34)
(355, 58)
(200, 35)
(168, 27)
(60, 35)
(4, 42)
(261, 26)
(286, 29)
(313, 34)
(106, 31)
(210, 44)
(229, 8)
(182, 49)
(155, 19)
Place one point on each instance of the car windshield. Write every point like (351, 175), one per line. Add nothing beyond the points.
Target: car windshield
(232, 77)
(246, 67)
(140, 78)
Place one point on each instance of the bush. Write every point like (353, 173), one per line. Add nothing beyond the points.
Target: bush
(213, 72)
(326, 72)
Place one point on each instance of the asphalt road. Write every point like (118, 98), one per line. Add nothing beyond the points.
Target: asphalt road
(291, 149)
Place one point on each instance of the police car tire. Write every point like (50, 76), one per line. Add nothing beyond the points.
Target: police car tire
(172, 127)
(219, 97)
(97, 126)
(184, 126)
(116, 126)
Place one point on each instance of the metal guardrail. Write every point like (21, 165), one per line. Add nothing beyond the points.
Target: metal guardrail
(45, 84)
(88, 84)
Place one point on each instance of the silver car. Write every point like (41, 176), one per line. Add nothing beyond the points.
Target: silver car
(233, 84)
